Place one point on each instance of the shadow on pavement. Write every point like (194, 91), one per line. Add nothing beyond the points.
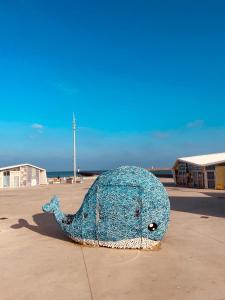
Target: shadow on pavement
(209, 206)
(46, 225)
(220, 194)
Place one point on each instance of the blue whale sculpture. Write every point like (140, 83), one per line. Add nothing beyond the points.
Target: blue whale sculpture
(124, 208)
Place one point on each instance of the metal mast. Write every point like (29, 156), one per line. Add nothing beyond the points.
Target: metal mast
(74, 149)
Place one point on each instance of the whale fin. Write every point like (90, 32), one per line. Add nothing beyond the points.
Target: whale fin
(52, 206)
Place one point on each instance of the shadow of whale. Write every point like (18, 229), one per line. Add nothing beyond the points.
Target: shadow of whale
(209, 206)
(46, 225)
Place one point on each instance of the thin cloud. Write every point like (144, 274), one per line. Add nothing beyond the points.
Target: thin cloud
(195, 124)
(37, 126)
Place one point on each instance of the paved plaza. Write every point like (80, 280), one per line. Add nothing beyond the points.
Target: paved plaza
(38, 262)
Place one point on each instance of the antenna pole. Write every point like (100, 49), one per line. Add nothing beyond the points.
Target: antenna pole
(74, 149)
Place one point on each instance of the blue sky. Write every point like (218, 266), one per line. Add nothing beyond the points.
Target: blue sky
(146, 80)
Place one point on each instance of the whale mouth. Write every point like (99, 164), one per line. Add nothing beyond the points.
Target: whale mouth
(135, 243)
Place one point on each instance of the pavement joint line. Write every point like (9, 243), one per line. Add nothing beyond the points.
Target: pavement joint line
(89, 283)
(210, 237)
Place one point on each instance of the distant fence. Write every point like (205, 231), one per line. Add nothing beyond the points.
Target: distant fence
(163, 173)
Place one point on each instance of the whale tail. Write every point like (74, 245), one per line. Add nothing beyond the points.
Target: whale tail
(52, 206)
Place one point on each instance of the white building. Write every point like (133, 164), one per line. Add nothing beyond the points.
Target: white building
(202, 171)
(22, 175)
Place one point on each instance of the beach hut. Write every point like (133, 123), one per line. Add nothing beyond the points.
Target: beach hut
(22, 175)
(201, 171)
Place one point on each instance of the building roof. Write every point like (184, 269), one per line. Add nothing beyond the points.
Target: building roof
(204, 160)
(20, 165)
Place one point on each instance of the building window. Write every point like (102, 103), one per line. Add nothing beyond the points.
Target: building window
(210, 168)
(211, 179)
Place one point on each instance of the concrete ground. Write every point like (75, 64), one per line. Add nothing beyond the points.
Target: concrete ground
(38, 262)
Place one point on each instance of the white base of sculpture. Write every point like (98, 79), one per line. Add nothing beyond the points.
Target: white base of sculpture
(136, 243)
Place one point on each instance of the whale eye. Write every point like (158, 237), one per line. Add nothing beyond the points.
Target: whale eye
(152, 226)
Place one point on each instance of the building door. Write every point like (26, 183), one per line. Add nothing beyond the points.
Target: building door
(16, 181)
(118, 219)
(6, 179)
(201, 184)
(198, 179)
(33, 181)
